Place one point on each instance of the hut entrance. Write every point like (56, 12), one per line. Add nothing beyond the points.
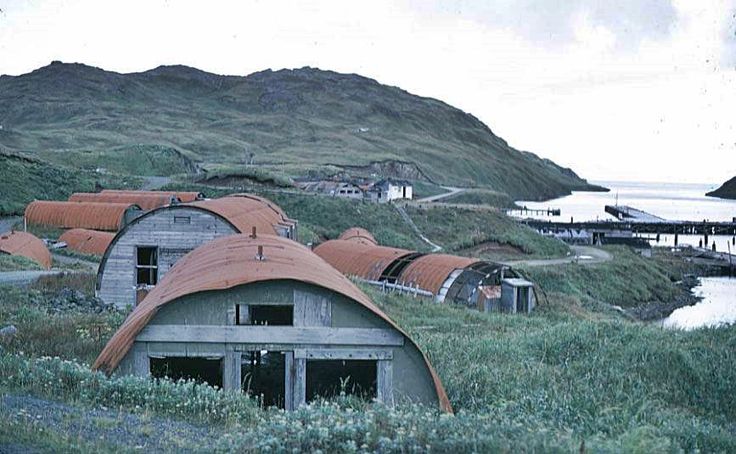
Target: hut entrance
(328, 378)
(201, 370)
(394, 269)
(263, 376)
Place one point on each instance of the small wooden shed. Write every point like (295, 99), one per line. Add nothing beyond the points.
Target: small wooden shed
(267, 316)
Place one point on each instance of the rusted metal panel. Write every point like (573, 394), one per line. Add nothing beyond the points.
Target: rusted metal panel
(87, 241)
(359, 257)
(184, 196)
(358, 233)
(86, 215)
(145, 200)
(26, 245)
(245, 212)
(430, 271)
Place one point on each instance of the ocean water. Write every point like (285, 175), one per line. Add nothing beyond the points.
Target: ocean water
(717, 308)
(673, 201)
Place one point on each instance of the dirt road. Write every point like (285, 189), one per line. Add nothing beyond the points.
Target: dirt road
(584, 255)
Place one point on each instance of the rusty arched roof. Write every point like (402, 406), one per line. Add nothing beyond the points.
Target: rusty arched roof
(246, 211)
(430, 271)
(183, 196)
(26, 245)
(230, 261)
(69, 215)
(145, 200)
(87, 241)
(357, 233)
(359, 257)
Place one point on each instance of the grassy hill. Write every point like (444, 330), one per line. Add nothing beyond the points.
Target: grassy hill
(24, 178)
(726, 191)
(298, 121)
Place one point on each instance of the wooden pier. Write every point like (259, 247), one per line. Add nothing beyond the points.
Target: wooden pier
(535, 211)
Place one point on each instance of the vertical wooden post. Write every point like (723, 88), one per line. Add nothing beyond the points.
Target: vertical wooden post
(385, 381)
(141, 361)
(231, 370)
(289, 381)
(300, 382)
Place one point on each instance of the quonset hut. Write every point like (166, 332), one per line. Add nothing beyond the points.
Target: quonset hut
(144, 250)
(25, 245)
(446, 278)
(85, 241)
(267, 316)
(86, 215)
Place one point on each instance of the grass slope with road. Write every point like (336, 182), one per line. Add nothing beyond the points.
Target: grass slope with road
(726, 191)
(172, 118)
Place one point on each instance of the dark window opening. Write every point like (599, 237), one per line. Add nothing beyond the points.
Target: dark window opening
(328, 378)
(201, 370)
(146, 265)
(263, 376)
(522, 302)
(264, 314)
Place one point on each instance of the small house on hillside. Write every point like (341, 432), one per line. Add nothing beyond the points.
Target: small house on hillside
(390, 189)
(144, 250)
(266, 316)
(25, 245)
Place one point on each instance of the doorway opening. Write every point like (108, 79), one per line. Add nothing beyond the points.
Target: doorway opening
(263, 376)
(201, 370)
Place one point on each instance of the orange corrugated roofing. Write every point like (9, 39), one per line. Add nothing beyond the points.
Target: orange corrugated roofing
(228, 262)
(145, 200)
(245, 211)
(430, 271)
(26, 245)
(355, 233)
(359, 257)
(87, 241)
(86, 215)
(184, 196)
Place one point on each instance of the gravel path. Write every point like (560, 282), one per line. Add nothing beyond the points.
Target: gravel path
(584, 255)
(24, 277)
(120, 429)
(433, 198)
(153, 183)
(7, 223)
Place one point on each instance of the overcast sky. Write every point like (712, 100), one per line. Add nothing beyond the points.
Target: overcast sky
(615, 89)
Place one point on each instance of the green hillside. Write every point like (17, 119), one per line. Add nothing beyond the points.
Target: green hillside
(726, 191)
(297, 120)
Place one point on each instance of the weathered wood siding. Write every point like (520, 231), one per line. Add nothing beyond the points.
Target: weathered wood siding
(117, 281)
(327, 325)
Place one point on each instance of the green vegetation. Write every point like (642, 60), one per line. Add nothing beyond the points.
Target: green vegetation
(141, 160)
(298, 119)
(457, 229)
(17, 263)
(23, 179)
(237, 175)
(565, 376)
(481, 197)
(726, 191)
(627, 281)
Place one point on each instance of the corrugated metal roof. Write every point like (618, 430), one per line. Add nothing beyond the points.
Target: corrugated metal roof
(184, 196)
(229, 262)
(430, 271)
(145, 200)
(357, 233)
(87, 241)
(245, 211)
(359, 257)
(26, 245)
(86, 215)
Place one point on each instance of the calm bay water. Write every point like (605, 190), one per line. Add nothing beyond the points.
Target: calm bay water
(673, 201)
(669, 201)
